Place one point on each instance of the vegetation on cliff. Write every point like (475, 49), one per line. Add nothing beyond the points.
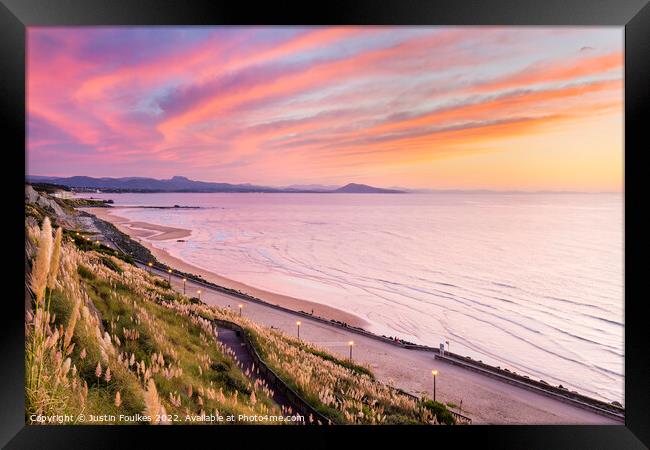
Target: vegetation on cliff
(104, 337)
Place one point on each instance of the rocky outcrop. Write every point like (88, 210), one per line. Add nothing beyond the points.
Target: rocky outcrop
(31, 196)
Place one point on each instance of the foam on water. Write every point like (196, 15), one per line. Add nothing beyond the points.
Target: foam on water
(529, 282)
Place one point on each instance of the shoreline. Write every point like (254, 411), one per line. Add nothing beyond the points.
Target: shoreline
(142, 231)
(485, 394)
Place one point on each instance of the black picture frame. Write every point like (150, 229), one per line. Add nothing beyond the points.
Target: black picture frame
(634, 15)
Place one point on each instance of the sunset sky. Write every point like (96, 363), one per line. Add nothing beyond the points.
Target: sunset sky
(419, 107)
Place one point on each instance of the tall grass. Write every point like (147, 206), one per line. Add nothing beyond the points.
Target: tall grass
(46, 353)
(41, 267)
(102, 342)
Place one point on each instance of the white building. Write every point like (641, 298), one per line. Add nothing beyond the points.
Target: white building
(63, 194)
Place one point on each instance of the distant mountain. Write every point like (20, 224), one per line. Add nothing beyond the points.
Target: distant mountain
(311, 187)
(353, 188)
(183, 184)
(140, 184)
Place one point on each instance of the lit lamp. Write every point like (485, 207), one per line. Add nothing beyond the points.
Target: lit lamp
(434, 373)
(184, 281)
(298, 325)
(199, 293)
(350, 344)
(150, 264)
(169, 271)
(240, 307)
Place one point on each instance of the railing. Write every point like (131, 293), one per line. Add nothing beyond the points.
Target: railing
(460, 419)
(299, 404)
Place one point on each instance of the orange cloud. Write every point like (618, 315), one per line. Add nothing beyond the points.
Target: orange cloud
(556, 71)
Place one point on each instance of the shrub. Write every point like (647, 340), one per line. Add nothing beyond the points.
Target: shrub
(111, 265)
(220, 366)
(400, 419)
(440, 411)
(230, 383)
(162, 283)
(85, 272)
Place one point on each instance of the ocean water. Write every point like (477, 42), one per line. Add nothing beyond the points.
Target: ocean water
(530, 282)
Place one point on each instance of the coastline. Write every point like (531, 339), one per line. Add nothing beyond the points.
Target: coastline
(144, 231)
(488, 399)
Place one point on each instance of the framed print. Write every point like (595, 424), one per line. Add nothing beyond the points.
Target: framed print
(367, 220)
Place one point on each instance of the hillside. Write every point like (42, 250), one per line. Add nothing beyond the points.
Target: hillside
(106, 338)
(102, 342)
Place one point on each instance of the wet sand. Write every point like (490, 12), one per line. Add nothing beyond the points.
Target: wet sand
(143, 231)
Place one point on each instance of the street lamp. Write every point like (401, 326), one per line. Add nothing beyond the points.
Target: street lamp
(240, 307)
(350, 344)
(149, 264)
(434, 373)
(169, 271)
(298, 325)
(184, 280)
(199, 293)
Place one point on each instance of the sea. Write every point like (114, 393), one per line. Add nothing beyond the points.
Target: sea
(528, 282)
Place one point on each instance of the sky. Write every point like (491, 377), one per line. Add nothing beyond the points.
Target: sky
(502, 108)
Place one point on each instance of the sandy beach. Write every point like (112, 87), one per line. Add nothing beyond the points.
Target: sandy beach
(143, 231)
(484, 399)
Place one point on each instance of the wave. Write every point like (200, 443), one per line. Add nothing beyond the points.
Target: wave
(602, 319)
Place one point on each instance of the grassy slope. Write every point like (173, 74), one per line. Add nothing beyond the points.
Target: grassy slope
(120, 315)
(128, 314)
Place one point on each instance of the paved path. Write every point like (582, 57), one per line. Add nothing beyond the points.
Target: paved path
(231, 340)
(486, 400)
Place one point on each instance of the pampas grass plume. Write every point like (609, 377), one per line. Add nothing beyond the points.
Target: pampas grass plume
(55, 259)
(152, 401)
(41, 266)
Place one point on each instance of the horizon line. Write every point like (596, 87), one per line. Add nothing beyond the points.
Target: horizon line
(412, 190)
